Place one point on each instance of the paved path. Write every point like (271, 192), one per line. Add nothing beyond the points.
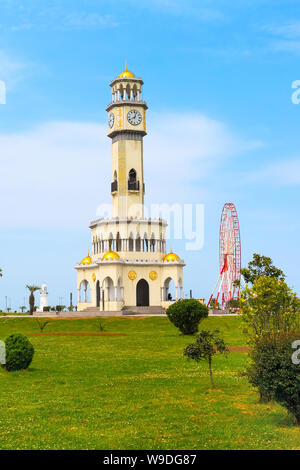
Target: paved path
(103, 315)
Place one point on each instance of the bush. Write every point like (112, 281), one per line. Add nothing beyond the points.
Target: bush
(19, 352)
(208, 343)
(274, 373)
(186, 315)
(46, 309)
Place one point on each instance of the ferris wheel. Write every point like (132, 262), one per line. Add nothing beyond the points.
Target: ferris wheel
(229, 256)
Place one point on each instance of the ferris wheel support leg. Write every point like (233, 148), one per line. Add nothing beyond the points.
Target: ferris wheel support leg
(216, 302)
(213, 291)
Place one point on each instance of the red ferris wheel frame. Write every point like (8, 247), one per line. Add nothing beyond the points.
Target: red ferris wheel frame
(229, 255)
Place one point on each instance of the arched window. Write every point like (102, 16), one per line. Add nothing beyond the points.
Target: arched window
(152, 243)
(145, 242)
(138, 243)
(118, 242)
(115, 176)
(132, 176)
(133, 184)
(111, 242)
(130, 242)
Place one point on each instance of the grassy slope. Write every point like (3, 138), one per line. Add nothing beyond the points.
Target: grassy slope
(133, 392)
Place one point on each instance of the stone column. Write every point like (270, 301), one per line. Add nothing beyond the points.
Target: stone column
(181, 292)
(78, 295)
(176, 291)
(84, 291)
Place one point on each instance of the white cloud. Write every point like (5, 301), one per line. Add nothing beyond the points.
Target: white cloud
(58, 173)
(286, 36)
(290, 29)
(84, 20)
(282, 172)
(12, 70)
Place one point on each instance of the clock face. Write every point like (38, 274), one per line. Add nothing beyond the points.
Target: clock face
(134, 117)
(111, 120)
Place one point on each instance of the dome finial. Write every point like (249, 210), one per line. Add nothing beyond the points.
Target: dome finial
(126, 73)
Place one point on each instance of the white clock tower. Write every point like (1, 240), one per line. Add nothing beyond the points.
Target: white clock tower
(129, 270)
(127, 127)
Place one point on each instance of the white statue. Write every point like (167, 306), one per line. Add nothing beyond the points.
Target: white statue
(43, 298)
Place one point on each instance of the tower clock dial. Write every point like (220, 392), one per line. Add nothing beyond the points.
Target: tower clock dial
(134, 117)
(111, 120)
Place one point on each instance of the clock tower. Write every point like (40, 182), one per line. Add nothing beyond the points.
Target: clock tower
(127, 128)
(129, 270)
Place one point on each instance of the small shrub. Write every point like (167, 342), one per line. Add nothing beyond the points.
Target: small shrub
(186, 315)
(46, 309)
(42, 324)
(208, 343)
(19, 352)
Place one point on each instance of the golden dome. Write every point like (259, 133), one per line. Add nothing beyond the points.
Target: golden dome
(171, 257)
(87, 259)
(110, 256)
(126, 74)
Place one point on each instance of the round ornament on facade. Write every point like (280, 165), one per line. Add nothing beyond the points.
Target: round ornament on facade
(153, 275)
(94, 277)
(132, 275)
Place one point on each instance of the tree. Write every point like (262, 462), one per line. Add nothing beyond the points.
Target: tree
(22, 308)
(207, 344)
(1, 274)
(261, 266)
(233, 303)
(274, 369)
(32, 290)
(186, 315)
(269, 306)
(269, 309)
(213, 302)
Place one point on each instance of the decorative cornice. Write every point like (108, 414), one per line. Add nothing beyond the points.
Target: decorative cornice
(116, 220)
(128, 135)
(129, 262)
(125, 79)
(113, 104)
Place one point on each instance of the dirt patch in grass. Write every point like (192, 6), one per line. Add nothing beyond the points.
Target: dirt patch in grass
(77, 334)
(238, 349)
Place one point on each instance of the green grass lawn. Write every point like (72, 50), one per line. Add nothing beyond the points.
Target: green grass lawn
(133, 392)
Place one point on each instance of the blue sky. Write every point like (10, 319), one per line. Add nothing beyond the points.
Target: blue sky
(221, 123)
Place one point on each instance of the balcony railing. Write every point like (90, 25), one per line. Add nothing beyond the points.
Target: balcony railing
(114, 186)
(133, 185)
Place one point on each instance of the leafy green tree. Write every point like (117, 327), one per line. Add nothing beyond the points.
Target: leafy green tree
(269, 309)
(22, 308)
(212, 303)
(233, 303)
(269, 306)
(207, 344)
(275, 372)
(261, 266)
(186, 315)
(32, 290)
(1, 274)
